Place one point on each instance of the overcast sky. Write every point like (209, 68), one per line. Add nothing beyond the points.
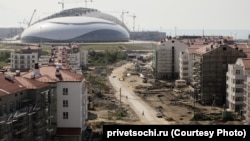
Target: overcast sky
(150, 14)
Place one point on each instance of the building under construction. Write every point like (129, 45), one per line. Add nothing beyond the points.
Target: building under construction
(210, 65)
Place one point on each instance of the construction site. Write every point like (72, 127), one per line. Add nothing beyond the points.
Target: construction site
(172, 104)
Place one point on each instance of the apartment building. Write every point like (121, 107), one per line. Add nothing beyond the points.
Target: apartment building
(23, 109)
(24, 59)
(166, 59)
(70, 57)
(78, 60)
(236, 76)
(247, 99)
(186, 70)
(47, 103)
(210, 65)
(69, 102)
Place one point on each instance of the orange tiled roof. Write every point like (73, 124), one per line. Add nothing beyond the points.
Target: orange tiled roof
(205, 49)
(48, 75)
(9, 87)
(31, 83)
(246, 63)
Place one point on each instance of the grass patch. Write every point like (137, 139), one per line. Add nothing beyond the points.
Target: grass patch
(2, 64)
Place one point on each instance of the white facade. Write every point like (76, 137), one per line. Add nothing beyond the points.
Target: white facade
(186, 69)
(78, 60)
(247, 100)
(74, 60)
(236, 76)
(23, 61)
(167, 59)
(74, 29)
(71, 105)
(44, 60)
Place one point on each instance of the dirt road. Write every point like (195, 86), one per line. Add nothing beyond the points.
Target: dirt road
(125, 92)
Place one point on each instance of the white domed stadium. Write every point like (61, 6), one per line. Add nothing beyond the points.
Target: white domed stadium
(76, 25)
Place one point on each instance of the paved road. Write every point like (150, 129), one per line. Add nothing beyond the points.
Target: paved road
(130, 98)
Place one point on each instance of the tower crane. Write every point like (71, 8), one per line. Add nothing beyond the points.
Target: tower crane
(32, 17)
(133, 16)
(62, 3)
(86, 1)
(123, 12)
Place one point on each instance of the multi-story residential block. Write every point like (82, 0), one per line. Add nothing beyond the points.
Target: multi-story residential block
(24, 59)
(46, 103)
(236, 76)
(247, 100)
(69, 57)
(166, 59)
(43, 60)
(70, 100)
(186, 70)
(210, 64)
(24, 109)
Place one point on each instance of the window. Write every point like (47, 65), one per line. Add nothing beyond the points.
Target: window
(237, 71)
(65, 91)
(65, 115)
(65, 103)
(239, 90)
(239, 81)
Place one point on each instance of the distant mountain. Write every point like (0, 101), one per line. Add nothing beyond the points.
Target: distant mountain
(10, 32)
(147, 35)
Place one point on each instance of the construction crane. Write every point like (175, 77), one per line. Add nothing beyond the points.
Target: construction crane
(86, 2)
(123, 12)
(133, 16)
(62, 3)
(29, 23)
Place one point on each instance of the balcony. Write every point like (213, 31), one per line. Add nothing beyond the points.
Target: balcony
(20, 130)
(3, 118)
(19, 114)
(2, 138)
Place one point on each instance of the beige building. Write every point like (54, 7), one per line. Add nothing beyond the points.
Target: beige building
(166, 59)
(236, 76)
(24, 59)
(247, 100)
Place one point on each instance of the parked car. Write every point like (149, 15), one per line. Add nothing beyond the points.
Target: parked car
(159, 115)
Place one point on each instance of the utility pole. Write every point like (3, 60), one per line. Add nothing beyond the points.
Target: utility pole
(120, 98)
